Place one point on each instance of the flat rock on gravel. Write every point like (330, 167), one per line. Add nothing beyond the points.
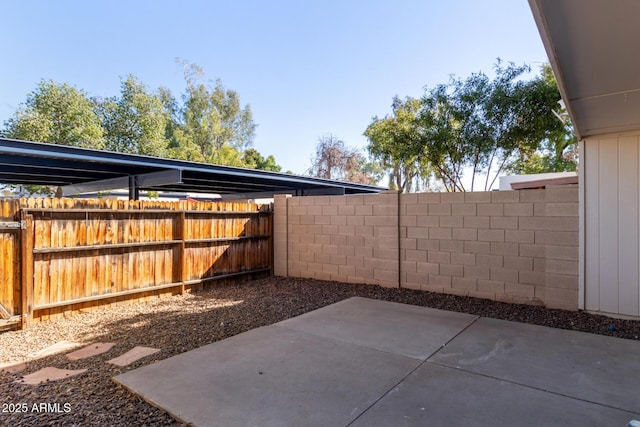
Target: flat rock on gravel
(133, 355)
(90, 350)
(58, 347)
(50, 374)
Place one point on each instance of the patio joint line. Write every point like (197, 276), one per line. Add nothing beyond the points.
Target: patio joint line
(411, 372)
(630, 411)
(454, 337)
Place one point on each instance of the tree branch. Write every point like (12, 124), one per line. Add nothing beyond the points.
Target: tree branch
(504, 160)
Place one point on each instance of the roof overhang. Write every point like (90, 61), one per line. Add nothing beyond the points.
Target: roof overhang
(592, 46)
(25, 162)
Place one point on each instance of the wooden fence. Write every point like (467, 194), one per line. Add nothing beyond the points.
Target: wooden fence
(10, 274)
(61, 256)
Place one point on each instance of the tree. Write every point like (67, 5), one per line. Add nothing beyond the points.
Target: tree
(391, 142)
(213, 127)
(136, 122)
(172, 109)
(251, 158)
(558, 152)
(59, 114)
(485, 125)
(208, 124)
(334, 160)
(480, 126)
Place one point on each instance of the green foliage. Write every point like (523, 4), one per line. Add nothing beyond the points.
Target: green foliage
(334, 160)
(479, 125)
(558, 151)
(136, 122)
(392, 142)
(212, 125)
(484, 124)
(252, 159)
(207, 124)
(59, 114)
(40, 189)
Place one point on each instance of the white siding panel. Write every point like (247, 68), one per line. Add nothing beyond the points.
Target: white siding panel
(608, 225)
(611, 180)
(591, 170)
(628, 226)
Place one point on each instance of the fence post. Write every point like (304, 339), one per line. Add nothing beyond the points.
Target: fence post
(280, 235)
(271, 239)
(181, 252)
(26, 255)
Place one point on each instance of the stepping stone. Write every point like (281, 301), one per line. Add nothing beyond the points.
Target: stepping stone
(58, 347)
(132, 355)
(49, 374)
(13, 367)
(91, 350)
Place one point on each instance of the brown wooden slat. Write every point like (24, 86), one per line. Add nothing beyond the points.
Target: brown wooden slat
(104, 247)
(27, 285)
(91, 250)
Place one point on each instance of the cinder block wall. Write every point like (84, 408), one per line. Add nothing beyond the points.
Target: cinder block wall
(513, 246)
(350, 239)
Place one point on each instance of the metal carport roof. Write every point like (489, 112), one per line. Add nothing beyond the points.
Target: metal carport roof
(73, 168)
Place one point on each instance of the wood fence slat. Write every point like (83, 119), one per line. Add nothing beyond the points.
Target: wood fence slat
(6, 274)
(26, 252)
(83, 251)
(179, 260)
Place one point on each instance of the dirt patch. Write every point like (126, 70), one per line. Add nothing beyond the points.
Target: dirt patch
(182, 323)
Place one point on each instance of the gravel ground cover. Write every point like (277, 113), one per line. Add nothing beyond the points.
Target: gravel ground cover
(185, 322)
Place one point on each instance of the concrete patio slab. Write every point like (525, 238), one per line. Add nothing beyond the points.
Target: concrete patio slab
(49, 374)
(362, 362)
(435, 395)
(403, 329)
(271, 376)
(90, 350)
(133, 355)
(577, 364)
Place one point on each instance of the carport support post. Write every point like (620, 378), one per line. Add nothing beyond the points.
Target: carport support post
(134, 191)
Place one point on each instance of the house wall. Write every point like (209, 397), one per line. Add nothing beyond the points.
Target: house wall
(514, 246)
(611, 230)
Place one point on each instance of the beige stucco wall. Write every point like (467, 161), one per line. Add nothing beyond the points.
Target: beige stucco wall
(515, 246)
